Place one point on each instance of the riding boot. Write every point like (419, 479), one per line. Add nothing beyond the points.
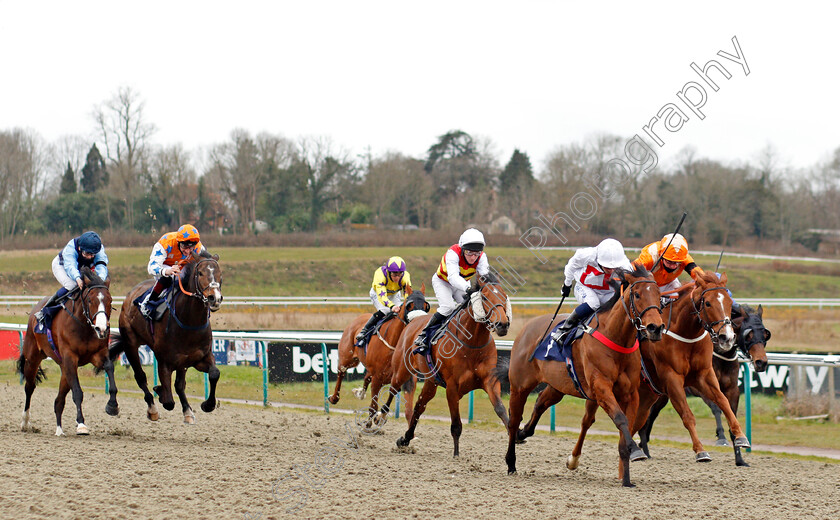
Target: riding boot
(374, 319)
(54, 299)
(421, 339)
(152, 296)
(579, 315)
(736, 310)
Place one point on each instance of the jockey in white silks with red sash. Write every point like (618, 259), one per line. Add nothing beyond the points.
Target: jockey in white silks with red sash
(451, 281)
(591, 268)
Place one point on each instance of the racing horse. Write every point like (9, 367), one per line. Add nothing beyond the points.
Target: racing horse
(80, 336)
(606, 359)
(461, 360)
(376, 356)
(180, 340)
(751, 338)
(698, 324)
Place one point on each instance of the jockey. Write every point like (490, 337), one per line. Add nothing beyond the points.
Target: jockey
(387, 291)
(173, 250)
(459, 264)
(674, 261)
(592, 268)
(83, 251)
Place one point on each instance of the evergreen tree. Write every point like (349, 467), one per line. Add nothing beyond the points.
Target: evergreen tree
(94, 174)
(518, 173)
(68, 182)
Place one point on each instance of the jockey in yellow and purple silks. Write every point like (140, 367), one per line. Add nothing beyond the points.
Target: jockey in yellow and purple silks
(387, 291)
(168, 255)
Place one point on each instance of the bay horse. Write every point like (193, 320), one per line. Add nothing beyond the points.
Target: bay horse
(376, 356)
(751, 338)
(698, 324)
(80, 336)
(609, 377)
(462, 360)
(181, 339)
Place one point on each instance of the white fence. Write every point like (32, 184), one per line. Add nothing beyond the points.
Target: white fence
(290, 301)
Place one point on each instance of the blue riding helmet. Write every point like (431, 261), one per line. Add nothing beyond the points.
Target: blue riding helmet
(90, 242)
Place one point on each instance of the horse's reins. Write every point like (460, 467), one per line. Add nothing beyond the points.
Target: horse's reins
(709, 326)
(83, 294)
(200, 292)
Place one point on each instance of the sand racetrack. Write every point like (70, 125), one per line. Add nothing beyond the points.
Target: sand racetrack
(226, 466)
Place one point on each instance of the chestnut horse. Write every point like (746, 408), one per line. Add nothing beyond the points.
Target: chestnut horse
(80, 336)
(463, 359)
(608, 376)
(376, 357)
(698, 324)
(180, 340)
(751, 338)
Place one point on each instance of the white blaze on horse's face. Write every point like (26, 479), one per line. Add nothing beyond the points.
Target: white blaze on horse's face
(727, 333)
(217, 294)
(100, 324)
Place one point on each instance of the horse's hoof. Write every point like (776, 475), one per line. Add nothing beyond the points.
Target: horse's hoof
(512, 471)
(572, 462)
(59, 432)
(113, 411)
(333, 399)
(402, 443)
(628, 484)
(24, 424)
(637, 455)
(81, 429)
(721, 442)
(359, 393)
(152, 415)
(742, 464)
(742, 442)
(209, 406)
(703, 456)
(189, 417)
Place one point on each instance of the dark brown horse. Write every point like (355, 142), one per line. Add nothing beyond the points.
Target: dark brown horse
(180, 340)
(81, 336)
(463, 359)
(698, 323)
(376, 357)
(751, 338)
(608, 376)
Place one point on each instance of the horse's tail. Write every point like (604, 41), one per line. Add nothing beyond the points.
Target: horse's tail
(500, 373)
(117, 347)
(40, 375)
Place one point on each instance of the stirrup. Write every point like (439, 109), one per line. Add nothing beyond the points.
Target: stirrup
(39, 316)
(421, 340)
(145, 311)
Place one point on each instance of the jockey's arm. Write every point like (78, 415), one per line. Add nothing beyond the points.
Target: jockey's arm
(692, 268)
(575, 264)
(380, 286)
(156, 260)
(70, 261)
(100, 263)
(453, 272)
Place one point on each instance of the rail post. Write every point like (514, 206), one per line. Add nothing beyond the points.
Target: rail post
(264, 350)
(325, 364)
(552, 419)
(470, 413)
(748, 400)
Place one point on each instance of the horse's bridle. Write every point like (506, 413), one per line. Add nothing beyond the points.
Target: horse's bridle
(710, 326)
(491, 325)
(83, 296)
(200, 291)
(633, 313)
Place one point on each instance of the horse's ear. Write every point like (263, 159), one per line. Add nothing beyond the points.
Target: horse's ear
(108, 282)
(423, 288)
(216, 257)
(760, 311)
(408, 290)
(766, 335)
(474, 283)
(86, 276)
(723, 278)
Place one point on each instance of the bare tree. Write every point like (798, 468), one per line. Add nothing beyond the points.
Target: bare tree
(69, 150)
(23, 177)
(172, 179)
(123, 128)
(324, 167)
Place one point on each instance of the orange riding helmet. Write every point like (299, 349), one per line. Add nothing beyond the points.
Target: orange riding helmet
(677, 250)
(187, 233)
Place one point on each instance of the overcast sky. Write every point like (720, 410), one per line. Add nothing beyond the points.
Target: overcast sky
(394, 75)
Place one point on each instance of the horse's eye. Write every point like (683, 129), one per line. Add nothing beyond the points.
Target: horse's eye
(637, 295)
(708, 304)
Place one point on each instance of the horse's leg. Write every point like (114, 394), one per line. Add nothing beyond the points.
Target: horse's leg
(70, 368)
(368, 378)
(516, 405)
(644, 432)
(61, 398)
(586, 422)
(720, 433)
(453, 399)
(409, 399)
(111, 407)
(374, 400)
(30, 375)
(675, 388)
(494, 391)
(628, 449)
(181, 390)
(429, 390)
(133, 356)
(333, 399)
(545, 400)
(707, 385)
(208, 366)
(346, 361)
(164, 389)
(733, 394)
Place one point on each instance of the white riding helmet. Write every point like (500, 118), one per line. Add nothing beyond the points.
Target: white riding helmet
(610, 253)
(472, 239)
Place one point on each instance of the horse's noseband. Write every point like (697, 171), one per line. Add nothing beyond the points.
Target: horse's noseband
(83, 296)
(633, 313)
(487, 320)
(710, 326)
(199, 293)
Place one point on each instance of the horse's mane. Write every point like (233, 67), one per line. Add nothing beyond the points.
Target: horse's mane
(638, 271)
(93, 276)
(490, 277)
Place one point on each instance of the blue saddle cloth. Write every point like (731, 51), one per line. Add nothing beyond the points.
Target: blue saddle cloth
(363, 343)
(158, 306)
(45, 325)
(549, 350)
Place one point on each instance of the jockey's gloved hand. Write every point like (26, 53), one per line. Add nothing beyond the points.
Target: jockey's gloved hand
(567, 289)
